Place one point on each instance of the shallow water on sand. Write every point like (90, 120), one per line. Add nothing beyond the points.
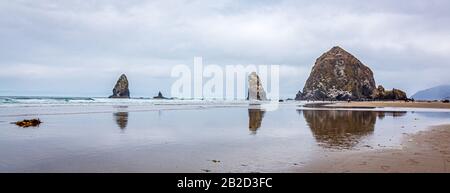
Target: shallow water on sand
(195, 138)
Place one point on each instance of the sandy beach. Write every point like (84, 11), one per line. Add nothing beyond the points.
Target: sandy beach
(425, 151)
(403, 104)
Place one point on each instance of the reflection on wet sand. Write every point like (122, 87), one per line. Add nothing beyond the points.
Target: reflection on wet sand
(121, 119)
(382, 114)
(342, 129)
(255, 117)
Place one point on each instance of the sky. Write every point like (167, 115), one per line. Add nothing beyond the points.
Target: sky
(80, 48)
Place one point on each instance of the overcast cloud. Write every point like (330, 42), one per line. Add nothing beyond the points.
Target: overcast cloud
(79, 48)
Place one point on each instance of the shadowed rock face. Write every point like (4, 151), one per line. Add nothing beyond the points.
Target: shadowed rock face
(255, 117)
(338, 75)
(255, 88)
(121, 88)
(342, 129)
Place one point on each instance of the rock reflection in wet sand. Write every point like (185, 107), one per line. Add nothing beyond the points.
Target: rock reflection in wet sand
(382, 114)
(255, 117)
(121, 118)
(340, 129)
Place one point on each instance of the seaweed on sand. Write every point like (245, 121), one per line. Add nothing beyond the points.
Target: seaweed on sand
(28, 123)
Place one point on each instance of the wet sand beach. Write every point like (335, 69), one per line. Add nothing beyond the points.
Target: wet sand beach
(439, 105)
(202, 136)
(425, 151)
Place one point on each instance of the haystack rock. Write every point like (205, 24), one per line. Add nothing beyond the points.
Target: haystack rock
(121, 89)
(338, 75)
(255, 88)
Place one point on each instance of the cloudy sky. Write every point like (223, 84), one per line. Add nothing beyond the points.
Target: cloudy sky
(80, 48)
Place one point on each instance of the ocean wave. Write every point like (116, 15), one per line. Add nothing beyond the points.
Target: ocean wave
(42, 100)
(7, 101)
(58, 101)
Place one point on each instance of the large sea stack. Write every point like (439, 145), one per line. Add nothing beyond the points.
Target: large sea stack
(255, 88)
(121, 89)
(338, 75)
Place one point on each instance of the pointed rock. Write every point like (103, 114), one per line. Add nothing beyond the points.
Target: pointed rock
(160, 96)
(255, 88)
(121, 88)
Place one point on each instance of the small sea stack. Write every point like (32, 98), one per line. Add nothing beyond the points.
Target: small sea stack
(121, 88)
(160, 96)
(395, 94)
(255, 88)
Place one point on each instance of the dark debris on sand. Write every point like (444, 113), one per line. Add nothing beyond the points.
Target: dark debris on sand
(28, 123)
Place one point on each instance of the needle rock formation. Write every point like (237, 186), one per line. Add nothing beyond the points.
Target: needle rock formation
(255, 88)
(121, 89)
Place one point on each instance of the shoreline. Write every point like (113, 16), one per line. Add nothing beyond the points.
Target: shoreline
(425, 151)
(375, 104)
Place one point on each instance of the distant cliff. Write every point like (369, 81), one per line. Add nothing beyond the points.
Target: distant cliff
(338, 75)
(435, 93)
